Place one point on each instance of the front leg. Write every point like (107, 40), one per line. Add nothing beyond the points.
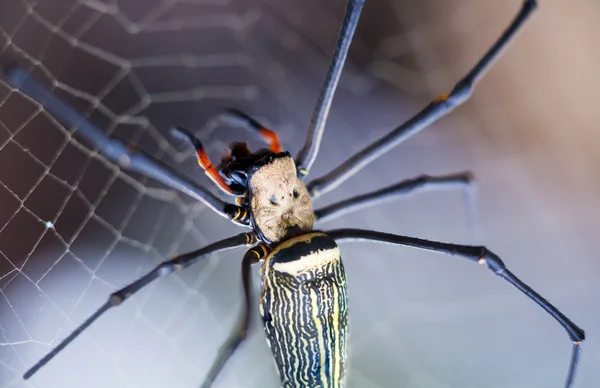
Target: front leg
(115, 150)
(438, 108)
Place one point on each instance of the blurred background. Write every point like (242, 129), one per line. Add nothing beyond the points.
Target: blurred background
(74, 228)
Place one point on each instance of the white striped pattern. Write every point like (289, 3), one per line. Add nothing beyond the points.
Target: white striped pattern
(305, 316)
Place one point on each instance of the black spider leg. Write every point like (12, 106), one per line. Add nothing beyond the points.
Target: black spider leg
(309, 151)
(240, 332)
(437, 109)
(478, 254)
(165, 268)
(117, 151)
(400, 190)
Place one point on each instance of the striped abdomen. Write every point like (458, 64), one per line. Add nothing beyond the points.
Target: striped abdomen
(304, 310)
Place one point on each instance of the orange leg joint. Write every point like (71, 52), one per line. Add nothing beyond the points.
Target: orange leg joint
(203, 159)
(211, 170)
(271, 138)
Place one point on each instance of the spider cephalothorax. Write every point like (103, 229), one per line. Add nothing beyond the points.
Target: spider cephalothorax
(279, 200)
(268, 187)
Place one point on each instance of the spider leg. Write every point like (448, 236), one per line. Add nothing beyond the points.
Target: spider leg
(203, 159)
(309, 151)
(238, 118)
(240, 332)
(437, 109)
(165, 268)
(478, 254)
(401, 190)
(116, 150)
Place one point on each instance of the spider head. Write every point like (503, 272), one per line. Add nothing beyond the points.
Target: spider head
(279, 201)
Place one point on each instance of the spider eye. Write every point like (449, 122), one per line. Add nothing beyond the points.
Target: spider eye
(296, 193)
(273, 200)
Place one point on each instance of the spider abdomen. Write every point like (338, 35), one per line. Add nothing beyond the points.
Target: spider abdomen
(304, 308)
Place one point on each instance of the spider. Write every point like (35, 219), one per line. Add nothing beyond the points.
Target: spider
(303, 300)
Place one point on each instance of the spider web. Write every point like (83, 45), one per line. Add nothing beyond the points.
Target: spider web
(85, 227)
(74, 227)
